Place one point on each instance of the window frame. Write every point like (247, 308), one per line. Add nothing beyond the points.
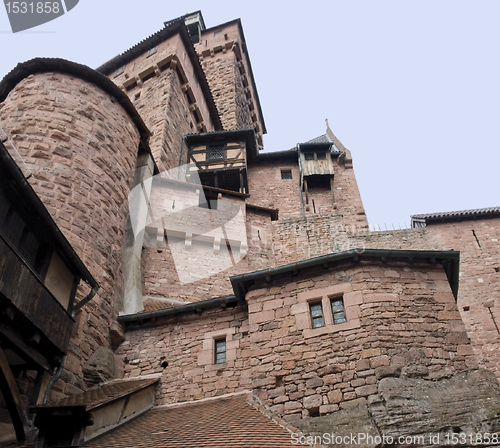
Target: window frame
(352, 301)
(211, 148)
(338, 312)
(152, 51)
(218, 343)
(316, 303)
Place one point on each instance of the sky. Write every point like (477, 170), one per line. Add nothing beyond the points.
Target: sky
(410, 87)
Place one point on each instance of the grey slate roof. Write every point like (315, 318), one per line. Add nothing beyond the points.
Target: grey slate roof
(488, 212)
(321, 139)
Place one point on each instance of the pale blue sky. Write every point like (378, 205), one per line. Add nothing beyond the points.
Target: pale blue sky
(410, 87)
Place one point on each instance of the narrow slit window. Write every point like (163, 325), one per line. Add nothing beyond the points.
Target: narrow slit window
(286, 174)
(338, 310)
(317, 320)
(220, 351)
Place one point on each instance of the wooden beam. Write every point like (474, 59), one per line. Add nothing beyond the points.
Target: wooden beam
(23, 427)
(30, 352)
(331, 188)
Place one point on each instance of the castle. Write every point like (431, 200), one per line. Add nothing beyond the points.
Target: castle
(187, 264)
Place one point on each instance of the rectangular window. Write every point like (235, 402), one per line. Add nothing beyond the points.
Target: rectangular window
(152, 51)
(220, 351)
(309, 156)
(338, 310)
(119, 71)
(316, 315)
(216, 152)
(321, 155)
(286, 174)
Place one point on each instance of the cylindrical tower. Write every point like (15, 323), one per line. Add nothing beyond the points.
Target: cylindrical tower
(79, 135)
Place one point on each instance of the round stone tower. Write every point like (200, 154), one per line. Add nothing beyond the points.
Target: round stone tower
(79, 136)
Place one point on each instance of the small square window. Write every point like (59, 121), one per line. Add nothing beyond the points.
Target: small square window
(338, 310)
(317, 315)
(152, 52)
(321, 155)
(220, 351)
(309, 156)
(216, 152)
(286, 174)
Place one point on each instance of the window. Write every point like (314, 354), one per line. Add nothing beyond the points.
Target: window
(286, 174)
(309, 156)
(119, 71)
(331, 309)
(220, 351)
(338, 310)
(152, 51)
(321, 155)
(216, 152)
(316, 315)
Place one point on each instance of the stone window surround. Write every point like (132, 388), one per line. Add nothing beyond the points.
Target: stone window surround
(206, 356)
(220, 349)
(352, 302)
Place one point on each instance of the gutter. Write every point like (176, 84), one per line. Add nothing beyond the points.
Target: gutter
(449, 259)
(195, 307)
(53, 380)
(85, 300)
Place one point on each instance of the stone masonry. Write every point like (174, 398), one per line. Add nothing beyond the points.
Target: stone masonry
(407, 320)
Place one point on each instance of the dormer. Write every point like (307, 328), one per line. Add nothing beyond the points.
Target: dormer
(221, 157)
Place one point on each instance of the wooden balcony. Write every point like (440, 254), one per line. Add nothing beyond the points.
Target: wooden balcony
(36, 322)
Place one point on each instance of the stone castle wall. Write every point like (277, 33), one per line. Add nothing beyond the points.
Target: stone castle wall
(225, 63)
(402, 320)
(478, 243)
(166, 92)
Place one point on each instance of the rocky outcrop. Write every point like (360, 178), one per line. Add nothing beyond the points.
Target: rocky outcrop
(416, 412)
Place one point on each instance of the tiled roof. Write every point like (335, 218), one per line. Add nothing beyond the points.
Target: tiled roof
(460, 214)
(100, 395)
(152, 304)
(226, 422)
